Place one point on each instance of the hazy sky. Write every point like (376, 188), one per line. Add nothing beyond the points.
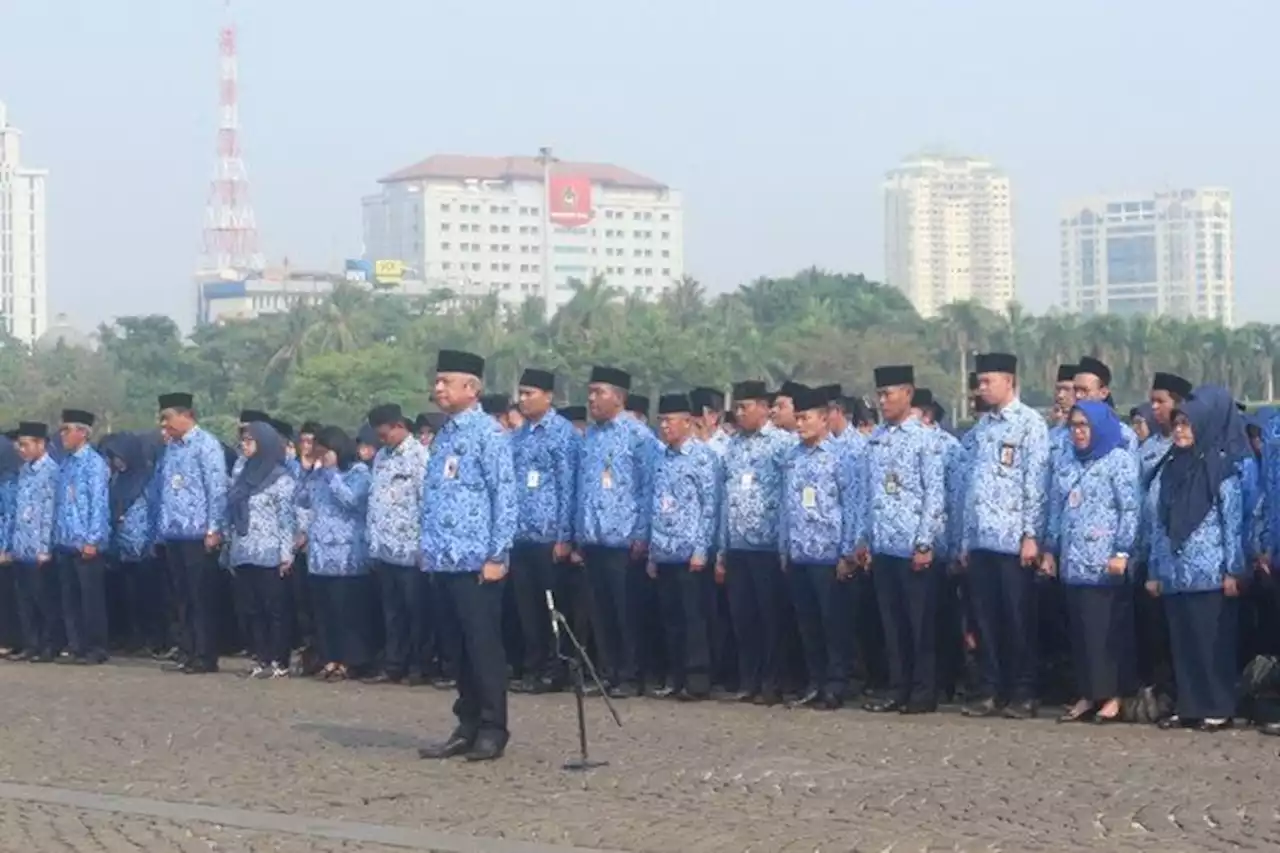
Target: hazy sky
(777, 120)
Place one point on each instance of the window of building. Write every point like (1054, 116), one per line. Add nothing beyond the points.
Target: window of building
(475, 268)
(444, 208)
(494, 247)
(665, 217)
(666, 273)
(524, 268)
(666, 235)
(444, 246)
(666, 253)
(444, 226)
(494, 267)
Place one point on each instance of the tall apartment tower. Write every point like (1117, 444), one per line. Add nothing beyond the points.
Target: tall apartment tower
(23, 274)
(949, 232)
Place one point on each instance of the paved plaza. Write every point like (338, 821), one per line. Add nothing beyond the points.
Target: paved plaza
(125, 758)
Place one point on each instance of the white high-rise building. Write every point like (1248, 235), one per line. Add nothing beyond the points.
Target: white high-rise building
(478, 225)
(949, 233)
(1164, 253)
(23, 275)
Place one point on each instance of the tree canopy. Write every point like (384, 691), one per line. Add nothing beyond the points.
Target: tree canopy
(333, 359)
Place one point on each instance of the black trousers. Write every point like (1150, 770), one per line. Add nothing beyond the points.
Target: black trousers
(909, 612)
(10, 625)
(198, 590)
(145, 603)
(302, 627)
(644, 620)
(1102, 644)
(683, 598)
(822, 621)
(607, 572)
(951, 653)
(867, 634)
(264, 596)
(84, 602)
(754, 584)
(341, 607)
(402, 617)
(1004, 603)
(534, 573)
(39, 606)
(442, 636)
(482, 668)
(1203, 636)
(1154, 659)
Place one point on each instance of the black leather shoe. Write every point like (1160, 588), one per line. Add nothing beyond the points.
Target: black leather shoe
(1215, 726)
(883, 706)
(19, 657)
(1272, 729)
(459, 743)
(1176, 722)
(200, 669)
(742, 696)
(809, 699)
(687, 695)
(444, 683)
(922, 706)
(767, 699)
(983, 708)
(1024, 710)
(622, 691)
(414, 680)
(830, 703)
(488, 746)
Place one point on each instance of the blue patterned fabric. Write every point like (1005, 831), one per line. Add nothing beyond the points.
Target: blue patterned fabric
(33, 524)
(682, 519)
(268, 543)
(193, 488)
(901, 487)
(339, 501)
(615, 486)
(395, 503)
(1009, 473)
(819, 505)
(469, 496)
(8, 511)
(1093, 515)
(133, 536)
(953, 464)
(83, 514)
(753, 468)
(1209, 554)
(1250, 495)
(545, 454)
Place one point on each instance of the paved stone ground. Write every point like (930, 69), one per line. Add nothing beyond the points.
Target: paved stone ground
(691, 779)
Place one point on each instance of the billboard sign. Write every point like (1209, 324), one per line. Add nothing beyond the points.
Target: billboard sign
(388, 272)
(569, 202)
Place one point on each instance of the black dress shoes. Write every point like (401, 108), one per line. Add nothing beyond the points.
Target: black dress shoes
(883, 706)
(488, 746)
(459, 743)
(810, 698)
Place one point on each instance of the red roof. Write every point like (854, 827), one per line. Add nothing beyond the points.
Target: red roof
(462, 167)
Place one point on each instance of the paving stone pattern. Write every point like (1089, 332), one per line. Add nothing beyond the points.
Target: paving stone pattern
(698, 778)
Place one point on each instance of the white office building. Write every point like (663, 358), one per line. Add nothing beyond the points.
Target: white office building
(949, 233)
(1164, 253)
(23, 272)
(482, 225)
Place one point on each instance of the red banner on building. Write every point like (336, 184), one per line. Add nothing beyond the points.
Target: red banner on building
(570, 201)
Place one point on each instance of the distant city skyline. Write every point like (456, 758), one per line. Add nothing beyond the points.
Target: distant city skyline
(24, 308)
(779, 146)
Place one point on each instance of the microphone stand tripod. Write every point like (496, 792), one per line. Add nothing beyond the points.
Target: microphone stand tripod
(580, 666)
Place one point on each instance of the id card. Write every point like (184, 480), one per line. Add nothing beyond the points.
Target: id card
(451, 468)
(606, 479)
(1006, 455)
(533, 480)
(176, 482)
(667, 504)
(809, 498)
(891, 483)
(748, 479)
(1074, 499)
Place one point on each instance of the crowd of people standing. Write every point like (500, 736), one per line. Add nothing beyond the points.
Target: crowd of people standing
(805, 547)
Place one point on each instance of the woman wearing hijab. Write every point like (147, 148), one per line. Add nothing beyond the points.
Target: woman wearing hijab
(132, 502)
(261, 527)
(10, 465)
(1197, 562)
(1093, 520)
(367, 443)
(337, 497)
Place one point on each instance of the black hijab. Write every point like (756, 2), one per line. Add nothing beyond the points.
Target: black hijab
(131, 483)
(10, 459)
(260, 470)
(1192, 477)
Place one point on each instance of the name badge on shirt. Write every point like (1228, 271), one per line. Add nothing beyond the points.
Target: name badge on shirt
(606, 479)
(667, 504)
(748, 479)
(176, 482)
(891, 483)
(451, 468)
(1074, 499)
(809, 498)
(1006, 455)
(533, 479)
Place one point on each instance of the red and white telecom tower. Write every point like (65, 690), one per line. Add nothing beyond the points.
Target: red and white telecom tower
(230, 229)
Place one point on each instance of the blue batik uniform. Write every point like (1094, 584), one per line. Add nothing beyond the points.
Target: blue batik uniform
(133, 536)
(395, 503)
(338, 501)
(268, 543)
(1211, 553)
(614, 483)
(901, 487)
(683, 514)
(545, 456)
(1247, 470)
(469, 496)
(193, 488)
(1093, 516)
(8, 511)
(753, 477)
(953, 460)
(33, 523)
(82, 516)
(1009, 474)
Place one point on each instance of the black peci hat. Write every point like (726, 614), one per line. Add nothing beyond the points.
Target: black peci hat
(1173, 383)
(704, 398)
(457, 361)
(495, 404)
(77, 416)
(751, 389)
(638, 404)
(805, 398)
(254, 416)
(921, 398)
(895, 374)
(283, 427)
(543, 380)
(388, 414)
(610, 376)
(789, 389)
(996, 362)
(33, 429)
(674, 404)
(177, 400)
(1067, 372)
(1089, 364)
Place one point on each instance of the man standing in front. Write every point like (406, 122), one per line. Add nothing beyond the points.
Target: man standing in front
(81, 529)
(31, 545)
(193, 507)
(901, 493)
(395, 538)
(1005, 517)
(545, 453)
(468, 523)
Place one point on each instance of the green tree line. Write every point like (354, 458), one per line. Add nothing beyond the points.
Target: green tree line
(333, 359)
